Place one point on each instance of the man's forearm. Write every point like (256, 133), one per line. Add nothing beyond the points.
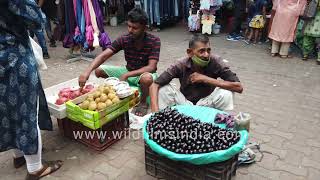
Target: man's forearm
(231, 86)
(153, 92)
(100, 59)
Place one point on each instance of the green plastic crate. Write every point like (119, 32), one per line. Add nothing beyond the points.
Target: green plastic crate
(95, 119)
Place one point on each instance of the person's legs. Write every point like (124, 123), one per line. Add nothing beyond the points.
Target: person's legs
(307, 46)
(100, 73)
(275, 47)
(145, 82)
(220, 99)
(169, 95)
(250, 35)
(284, 49)
(18, 158)
(35, 168)
(42, 42)
(256, 35)
(49, 33)
(34, 163)
(105, 71)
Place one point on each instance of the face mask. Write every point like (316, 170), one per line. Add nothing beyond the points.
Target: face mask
(199, 62)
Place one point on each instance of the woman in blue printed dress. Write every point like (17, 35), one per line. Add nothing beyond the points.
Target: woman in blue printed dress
(23, 107)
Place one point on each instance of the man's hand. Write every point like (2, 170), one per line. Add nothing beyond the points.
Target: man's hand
(198, 78)
(83, 79)
(124, 77)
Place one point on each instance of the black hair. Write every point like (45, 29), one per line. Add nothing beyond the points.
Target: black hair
(198, 38)
(137, 15)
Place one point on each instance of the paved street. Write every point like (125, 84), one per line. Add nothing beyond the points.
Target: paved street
(282, 96)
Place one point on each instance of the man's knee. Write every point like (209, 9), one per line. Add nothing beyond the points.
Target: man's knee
(225, 94)
(146, 79)
(100, 73)
(165, 89)
(225, 101)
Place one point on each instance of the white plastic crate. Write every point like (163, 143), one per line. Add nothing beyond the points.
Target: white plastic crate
(59, 111)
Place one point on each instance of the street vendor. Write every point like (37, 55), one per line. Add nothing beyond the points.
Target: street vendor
(141, 51)
(198, 74)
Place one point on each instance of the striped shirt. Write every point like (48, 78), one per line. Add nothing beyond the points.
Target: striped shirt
(137, 58)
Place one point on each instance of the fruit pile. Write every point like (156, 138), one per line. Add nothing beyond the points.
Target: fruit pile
(67, 94)
(99, 99)
(185, 135)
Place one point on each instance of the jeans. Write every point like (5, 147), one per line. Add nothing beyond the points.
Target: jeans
(157, 11)
(237, 20)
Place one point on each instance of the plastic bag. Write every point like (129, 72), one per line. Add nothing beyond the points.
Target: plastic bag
(37, 50)
(205, 114)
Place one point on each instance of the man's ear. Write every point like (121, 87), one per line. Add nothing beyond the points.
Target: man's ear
(189, 52)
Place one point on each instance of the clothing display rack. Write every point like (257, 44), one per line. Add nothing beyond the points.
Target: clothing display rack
(202, 15)
(84, 29)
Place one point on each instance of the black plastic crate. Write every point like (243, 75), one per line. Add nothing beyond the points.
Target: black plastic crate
(164, 168)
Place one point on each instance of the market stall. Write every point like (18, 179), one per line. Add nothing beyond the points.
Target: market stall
(101, 106)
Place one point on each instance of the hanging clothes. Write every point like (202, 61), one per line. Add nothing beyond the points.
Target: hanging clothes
(79, 34)
(104, 39)
(89, 28)
(94, 24)
(70, 24)
(207, 22)
(84, 25)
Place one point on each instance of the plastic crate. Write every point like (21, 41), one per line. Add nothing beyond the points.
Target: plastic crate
(95, 119)
(114, 131)
(164, 168)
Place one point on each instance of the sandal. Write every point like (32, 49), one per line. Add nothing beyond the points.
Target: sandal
(305, 57)
(273, 54)
(140, 110)
(51, 166)
(19, 162)
(285, 56)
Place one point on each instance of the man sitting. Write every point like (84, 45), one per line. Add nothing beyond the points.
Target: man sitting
(141, 51)
(198, 74)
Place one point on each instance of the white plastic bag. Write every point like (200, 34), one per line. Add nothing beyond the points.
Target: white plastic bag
(37, 50)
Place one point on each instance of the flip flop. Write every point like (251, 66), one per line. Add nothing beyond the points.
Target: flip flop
(247, 156)
(305, 57)
(19, 162)
(53, 165)
(285, 56)
(140, 110)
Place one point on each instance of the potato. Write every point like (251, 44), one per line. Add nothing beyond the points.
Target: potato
(101, 88)
(115, 100)
(92, 106)
(108, 102)
(90, 99)
(111, 95)
(101, 106)
(106, 90)
(97, 100)
(103, 98)
(85, 105)
(96, 94)
(90, 96)
(112, 91)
